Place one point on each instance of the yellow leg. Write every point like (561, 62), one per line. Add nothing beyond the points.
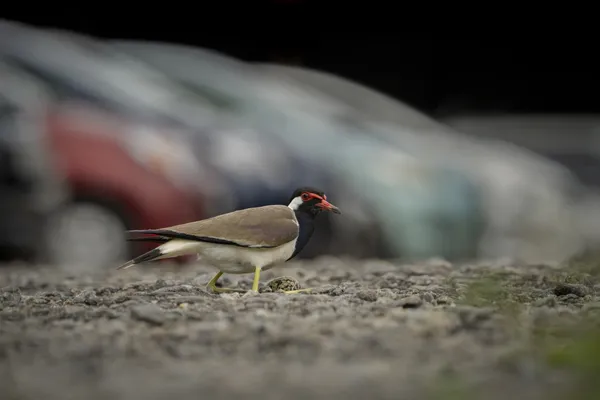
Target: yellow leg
(212, 285)
(256, 279)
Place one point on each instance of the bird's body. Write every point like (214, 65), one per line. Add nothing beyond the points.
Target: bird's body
(243, 261)
(235, 259)
(243, 241)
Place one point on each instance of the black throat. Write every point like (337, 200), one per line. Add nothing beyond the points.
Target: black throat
(306, 225)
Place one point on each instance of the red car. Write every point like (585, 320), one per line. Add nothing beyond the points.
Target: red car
(114, 186)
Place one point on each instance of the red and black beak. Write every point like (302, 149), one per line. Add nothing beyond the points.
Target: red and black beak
(325, 205)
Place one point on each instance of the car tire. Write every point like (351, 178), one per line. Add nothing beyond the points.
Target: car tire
(85, 234)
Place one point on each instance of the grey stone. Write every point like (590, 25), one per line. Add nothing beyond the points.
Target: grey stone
(149, 313)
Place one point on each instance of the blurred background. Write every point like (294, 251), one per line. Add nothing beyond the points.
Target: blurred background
(453, 149)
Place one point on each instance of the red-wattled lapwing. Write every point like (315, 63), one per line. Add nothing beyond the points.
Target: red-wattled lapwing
(244, 241)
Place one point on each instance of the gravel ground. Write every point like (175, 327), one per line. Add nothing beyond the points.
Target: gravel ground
(374, 329)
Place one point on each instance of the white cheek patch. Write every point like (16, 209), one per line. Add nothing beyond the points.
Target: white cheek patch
(295, 203)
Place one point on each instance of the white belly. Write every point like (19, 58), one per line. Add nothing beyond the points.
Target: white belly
(232, 259)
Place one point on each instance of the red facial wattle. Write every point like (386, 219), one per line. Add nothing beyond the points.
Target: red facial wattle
(324, 204)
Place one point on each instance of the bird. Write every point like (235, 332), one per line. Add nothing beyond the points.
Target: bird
(243, 241)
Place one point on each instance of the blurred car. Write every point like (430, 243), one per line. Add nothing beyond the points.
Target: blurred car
(115, 173)
(525, 196)
(117, 180)
(570, 140)
(29, 187)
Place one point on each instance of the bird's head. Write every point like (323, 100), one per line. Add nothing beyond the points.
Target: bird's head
(311, 201)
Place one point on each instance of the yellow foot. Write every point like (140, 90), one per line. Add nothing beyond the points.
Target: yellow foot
(212, 286)
(224, 290)
(307, 290)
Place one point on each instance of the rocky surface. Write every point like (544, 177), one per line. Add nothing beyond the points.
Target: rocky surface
(371, 329)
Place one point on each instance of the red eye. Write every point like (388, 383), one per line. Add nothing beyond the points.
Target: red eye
(305, 196)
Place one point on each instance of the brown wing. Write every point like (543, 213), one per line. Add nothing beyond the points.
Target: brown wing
(268, 226)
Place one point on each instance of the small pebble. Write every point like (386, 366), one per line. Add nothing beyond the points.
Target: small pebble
(367, 295)
(413, 301)
(149, 313)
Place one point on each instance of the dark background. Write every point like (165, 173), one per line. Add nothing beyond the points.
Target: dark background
(435, 68)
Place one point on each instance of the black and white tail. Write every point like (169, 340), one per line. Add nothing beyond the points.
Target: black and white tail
(172, 248)
(148, 256)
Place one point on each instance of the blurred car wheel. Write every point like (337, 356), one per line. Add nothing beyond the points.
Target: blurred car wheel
(86, 234)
